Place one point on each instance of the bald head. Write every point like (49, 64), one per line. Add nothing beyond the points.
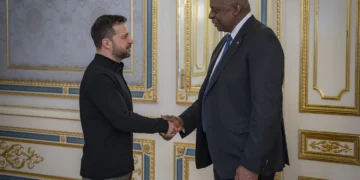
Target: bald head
(245, 5)
(226, 14)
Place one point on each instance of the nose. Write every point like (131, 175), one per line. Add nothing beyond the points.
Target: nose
(211, 15)
(130, 40)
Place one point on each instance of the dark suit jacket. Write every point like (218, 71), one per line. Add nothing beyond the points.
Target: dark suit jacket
(243, 107)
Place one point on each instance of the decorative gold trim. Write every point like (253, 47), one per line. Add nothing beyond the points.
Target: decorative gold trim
(154, 53)
(187, 45)
(179, 151)
(15, 156)
(329, 147)
(148, 147)
(316, 108)
(258, 10)
(277, 176)
(133, 34)
(347, 58)
(34, 175)
(194, 38)
(309, 178)
(137, 171)
(67, 85)
(278, 19)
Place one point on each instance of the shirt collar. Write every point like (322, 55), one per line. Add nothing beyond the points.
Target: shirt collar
(108, 63)
(239, 25)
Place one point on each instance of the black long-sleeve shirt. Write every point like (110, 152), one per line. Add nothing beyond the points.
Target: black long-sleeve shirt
(108, 121)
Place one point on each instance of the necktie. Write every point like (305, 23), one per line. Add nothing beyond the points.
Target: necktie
(227, 45)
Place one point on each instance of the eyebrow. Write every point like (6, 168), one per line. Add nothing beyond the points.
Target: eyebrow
(126, 34)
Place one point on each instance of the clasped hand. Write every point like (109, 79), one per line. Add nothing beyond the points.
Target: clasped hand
(176, 124)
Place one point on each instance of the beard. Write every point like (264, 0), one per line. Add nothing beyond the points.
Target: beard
(120, 53)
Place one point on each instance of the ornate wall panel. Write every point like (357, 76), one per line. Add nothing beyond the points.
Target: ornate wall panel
(196, 39)
(329, 147)
(184, 154)
(330, 77)
(184, 162)
(32, 153)
(47, 45)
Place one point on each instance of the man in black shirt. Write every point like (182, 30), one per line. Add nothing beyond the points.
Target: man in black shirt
(106, 109)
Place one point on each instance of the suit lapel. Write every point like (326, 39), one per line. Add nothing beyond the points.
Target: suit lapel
(225, 59)
(235, 45)
(212, 63)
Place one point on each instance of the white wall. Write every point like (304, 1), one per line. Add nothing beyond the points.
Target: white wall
(324, 121)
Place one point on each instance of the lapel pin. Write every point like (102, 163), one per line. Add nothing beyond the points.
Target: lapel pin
(237, 42)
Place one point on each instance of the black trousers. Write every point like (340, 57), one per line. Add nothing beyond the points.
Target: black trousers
(268, 177)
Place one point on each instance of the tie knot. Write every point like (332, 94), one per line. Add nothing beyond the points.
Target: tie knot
(228, 38)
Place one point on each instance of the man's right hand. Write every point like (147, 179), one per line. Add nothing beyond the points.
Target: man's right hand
(176, 124)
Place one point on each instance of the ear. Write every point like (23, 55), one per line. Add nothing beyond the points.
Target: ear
(106, 43)
(237, 9)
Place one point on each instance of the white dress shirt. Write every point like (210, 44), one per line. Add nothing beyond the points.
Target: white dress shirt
(233, 34)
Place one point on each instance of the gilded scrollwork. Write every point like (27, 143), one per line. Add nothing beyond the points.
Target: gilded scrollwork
(144, 158)
(330, 147)
(137, 171)
(16, 156)
(147, 149)
(180, 151)
(143, 151)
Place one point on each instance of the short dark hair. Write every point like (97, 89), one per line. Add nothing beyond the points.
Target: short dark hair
(103, 27)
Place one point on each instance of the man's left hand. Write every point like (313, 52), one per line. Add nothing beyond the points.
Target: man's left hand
(244, 174)
(179, 124)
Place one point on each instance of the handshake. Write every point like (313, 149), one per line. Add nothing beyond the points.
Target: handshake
(176, 124)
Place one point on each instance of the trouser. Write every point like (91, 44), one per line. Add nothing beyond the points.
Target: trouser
(125, 177)
(261, 177)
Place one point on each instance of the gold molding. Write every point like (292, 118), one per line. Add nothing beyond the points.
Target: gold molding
(309, 178)
(150, 95)
(347, 58)
(184, 87)
(148, 148)
(179, 152)
(277, 176)
(195, 34)
(278, 19)
(34, 175)
(329, 147)
(317, 108)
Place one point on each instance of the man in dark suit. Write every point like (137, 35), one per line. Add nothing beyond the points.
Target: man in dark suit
(238, 114)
